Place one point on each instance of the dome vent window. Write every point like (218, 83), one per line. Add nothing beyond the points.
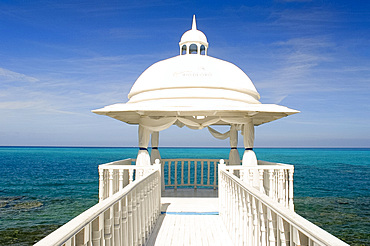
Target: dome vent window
(193, 49)
(183, 50)
(202, 50)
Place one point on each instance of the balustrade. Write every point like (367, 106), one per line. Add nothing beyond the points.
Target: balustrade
(256, 203)
(125, 218)
(273, 179)
(253, 218)
(114, 176)
(188, 173)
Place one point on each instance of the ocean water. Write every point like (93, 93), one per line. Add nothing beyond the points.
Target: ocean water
(41, 188)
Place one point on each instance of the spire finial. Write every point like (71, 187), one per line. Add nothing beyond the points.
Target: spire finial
(194, 26)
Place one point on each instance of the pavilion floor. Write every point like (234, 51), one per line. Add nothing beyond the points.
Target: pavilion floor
(189, 217)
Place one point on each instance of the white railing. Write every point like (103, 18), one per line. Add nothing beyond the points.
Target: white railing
(125, 218)
(115, 175)
(253, 218)
(272, 179)
(190, 173)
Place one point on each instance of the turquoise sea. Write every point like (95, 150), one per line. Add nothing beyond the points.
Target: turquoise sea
(42, 188)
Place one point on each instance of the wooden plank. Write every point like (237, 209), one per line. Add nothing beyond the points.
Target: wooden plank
(188, 220)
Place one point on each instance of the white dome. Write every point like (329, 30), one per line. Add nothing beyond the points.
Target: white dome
(193, 36)
(194, 84)
(193, 77)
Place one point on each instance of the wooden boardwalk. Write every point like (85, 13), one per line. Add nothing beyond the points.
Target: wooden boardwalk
(189, 218)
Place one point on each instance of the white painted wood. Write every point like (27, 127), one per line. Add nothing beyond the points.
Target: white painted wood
(189, 230)
(106, 216)
(255, 209)
(289, 227)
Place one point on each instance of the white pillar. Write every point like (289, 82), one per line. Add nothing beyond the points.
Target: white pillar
(143, 158)
(234, 158)
(155, 152)
(249, 157)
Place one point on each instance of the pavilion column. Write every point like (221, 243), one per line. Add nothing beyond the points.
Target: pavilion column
(249, 157)
(155, 152)
(143, 158)
(234, 158)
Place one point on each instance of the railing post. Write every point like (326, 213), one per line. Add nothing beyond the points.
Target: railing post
(169, 173)
(108, 227)
(280, 187)
(202, 172)
(101, 184)
(175, 176)
(139, 213)
(195, 174)
(245, 218)
(145, 211)
(97, 231)
(130, 221)
(111, 182)
(291, 203)
(250, 220)
(189, 168)
(117, 223)
(215, 179)
(134, 217)
(250, 171)
(261, 188)
(262, 224)
(120, 179)
(271, 231)
(221, 187)
(160, 167)
(130, 176)
(208, 172)
(281, 231)
(255, 222)
(271, 188)
(124, 221)
(182, 172)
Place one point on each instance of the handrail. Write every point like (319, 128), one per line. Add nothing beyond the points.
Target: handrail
(253, 218)
(137, 205)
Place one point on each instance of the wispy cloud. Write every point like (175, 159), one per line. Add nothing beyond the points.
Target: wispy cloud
(295, 64)
(10, 76)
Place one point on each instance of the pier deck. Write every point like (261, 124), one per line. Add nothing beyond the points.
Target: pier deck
(189, 217)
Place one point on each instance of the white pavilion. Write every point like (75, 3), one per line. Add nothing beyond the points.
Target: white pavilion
(197, 91)
(148, 200)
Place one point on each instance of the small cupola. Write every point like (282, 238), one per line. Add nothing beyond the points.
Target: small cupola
(193, 41)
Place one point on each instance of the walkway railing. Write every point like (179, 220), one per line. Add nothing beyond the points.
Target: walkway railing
(186, 173)
(125, 218)
(115, 175)
(253, 218)
(273, 179)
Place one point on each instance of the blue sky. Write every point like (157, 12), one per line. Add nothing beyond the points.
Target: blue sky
(61, 59)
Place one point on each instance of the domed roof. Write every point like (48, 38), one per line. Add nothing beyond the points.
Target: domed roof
(193, 77)
(193, 35)
(194, 84)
